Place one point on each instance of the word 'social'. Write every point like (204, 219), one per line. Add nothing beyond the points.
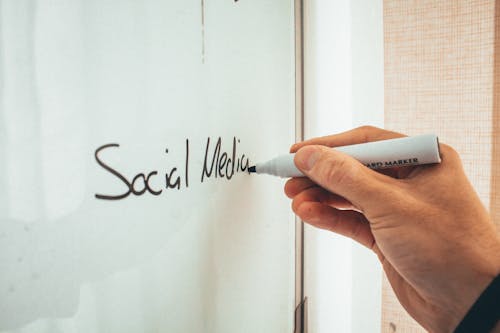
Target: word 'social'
(217, 163)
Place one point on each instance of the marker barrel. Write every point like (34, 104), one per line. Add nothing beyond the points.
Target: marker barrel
(400, 152)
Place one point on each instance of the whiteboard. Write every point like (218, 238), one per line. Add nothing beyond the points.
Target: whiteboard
(126, 128)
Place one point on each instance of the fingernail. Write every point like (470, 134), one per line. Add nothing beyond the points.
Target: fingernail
(306, 157)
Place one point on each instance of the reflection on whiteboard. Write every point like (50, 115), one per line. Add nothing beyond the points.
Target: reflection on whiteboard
(125, 139)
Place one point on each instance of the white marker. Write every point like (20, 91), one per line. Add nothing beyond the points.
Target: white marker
(415, 150)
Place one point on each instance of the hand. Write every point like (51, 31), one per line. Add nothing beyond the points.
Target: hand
(434, 238)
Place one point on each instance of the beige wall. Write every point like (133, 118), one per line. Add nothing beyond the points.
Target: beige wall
(441, 76)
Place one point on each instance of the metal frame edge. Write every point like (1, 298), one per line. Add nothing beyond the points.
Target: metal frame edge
(300, 300)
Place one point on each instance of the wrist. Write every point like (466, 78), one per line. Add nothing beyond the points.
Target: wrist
(474, 283)
(484, 313)
(483, 271)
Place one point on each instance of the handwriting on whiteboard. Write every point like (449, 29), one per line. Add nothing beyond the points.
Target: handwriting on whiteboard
(217, 164)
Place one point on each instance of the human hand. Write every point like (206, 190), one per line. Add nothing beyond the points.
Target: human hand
(434, 238)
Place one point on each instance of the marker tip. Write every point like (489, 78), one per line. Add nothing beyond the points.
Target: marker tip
(251, 169)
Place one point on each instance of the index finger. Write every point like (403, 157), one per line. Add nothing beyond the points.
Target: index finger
(358, 135)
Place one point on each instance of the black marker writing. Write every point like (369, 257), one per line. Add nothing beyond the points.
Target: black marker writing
(141, 183)
(223, 166)
(217, 163)
(112, 171)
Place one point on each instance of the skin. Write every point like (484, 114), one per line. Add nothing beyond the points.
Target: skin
(433, 236)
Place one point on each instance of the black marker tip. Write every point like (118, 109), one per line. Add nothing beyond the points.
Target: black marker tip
(251, 169)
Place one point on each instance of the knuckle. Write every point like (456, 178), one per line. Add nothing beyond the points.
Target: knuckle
(367, 131)
(289, 189)
(338, 171)
(444, 148)
(333, 224)
(357, 231)
(449, 152)
(368, 128)
(295, 205)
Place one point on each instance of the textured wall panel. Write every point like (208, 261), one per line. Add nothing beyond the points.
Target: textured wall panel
(440, 77)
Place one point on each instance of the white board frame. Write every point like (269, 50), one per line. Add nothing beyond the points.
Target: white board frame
(300, 300)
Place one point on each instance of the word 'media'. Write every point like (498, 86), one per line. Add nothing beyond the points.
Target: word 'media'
(217, 163)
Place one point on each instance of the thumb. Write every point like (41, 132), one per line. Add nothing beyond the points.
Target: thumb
(343, 175)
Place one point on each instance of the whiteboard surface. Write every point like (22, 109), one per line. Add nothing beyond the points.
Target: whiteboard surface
(157, 78)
